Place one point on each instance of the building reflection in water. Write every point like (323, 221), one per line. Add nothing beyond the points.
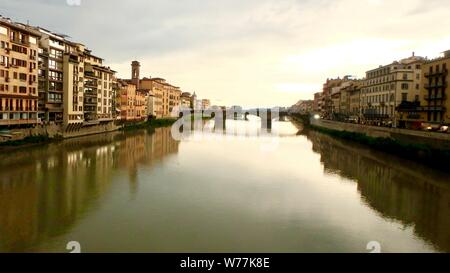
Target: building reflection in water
(399, 190)
(45, 190)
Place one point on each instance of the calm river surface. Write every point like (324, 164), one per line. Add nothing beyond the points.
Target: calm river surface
(146, 192)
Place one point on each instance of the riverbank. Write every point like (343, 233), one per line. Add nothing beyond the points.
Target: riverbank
(149, 124)
(52, 133)
(424, 148)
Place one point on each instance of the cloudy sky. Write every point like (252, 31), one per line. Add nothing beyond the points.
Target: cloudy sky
(246, 52)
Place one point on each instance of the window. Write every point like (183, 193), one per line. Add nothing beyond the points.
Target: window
(52, 97)
(3, 30)
(404, 96)
(405, 86)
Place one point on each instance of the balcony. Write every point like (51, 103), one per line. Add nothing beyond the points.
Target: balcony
(443, 72)
(435, 97)
(437, 108)
(90, 74)
(436, 85)
(92, 84)
(20, 42)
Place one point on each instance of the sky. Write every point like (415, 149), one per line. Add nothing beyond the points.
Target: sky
(246, 52)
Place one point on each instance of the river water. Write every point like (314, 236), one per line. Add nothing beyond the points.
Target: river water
(293, 191)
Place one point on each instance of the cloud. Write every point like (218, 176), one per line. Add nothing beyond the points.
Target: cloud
(246, 52)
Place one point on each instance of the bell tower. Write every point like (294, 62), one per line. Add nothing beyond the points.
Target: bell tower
(135, 68)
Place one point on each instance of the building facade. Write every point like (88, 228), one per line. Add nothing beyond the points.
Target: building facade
(206, 104)
(386, 87)
(165, 97)
(185, 100)
(18, 74)
(317, 105)
(327, 103)
(434, 100)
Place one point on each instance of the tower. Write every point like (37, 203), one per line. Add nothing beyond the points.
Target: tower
(135, 67)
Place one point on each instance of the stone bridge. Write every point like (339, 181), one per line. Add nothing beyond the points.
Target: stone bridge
(220, 116)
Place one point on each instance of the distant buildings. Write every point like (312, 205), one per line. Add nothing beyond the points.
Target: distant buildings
(302, 107)
(161, 99)
(206, 104)
(405, 93)
(47, 79)
(185, 100)
(318, 102)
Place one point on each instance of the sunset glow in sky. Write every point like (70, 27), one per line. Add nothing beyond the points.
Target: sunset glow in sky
(251, 52)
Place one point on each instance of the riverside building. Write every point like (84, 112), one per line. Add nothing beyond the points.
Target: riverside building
(18, 74)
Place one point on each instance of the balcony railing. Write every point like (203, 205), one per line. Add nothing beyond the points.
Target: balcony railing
(436, 85)
(443, 72)
(435, 97)
(437, 108)
(19, 41)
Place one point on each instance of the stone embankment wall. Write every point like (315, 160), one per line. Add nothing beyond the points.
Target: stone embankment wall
(57, 131)
(431, 139)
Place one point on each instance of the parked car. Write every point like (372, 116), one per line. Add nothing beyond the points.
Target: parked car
(443, 129)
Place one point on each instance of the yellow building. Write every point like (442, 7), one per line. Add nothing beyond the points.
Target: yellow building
(18, 74)
(206, 104)
(354, 97)
(185, 100)
(386, 87)
(434, 100)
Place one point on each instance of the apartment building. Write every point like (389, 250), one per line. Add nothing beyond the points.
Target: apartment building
(151, 107)
(317, 104)
(98, 90)
(434, 100)
(73, 86)
(127, 98)
(206, 104)
(339, 104)
(18, 74)
(51, 54)
(174, 94)
(157, 88)
(354, 99)
(141, 105)
(185, 100)
(386, 87)
(302, 107)
(327, 103)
